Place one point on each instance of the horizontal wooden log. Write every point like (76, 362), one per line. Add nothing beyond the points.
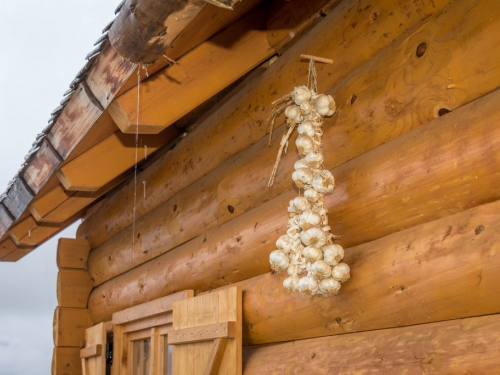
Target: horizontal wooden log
(73, 288)
(467, 346)
(69, 326)
(114, 156)
(72, 253)
(240, 184)
(201, 74)
(66, 361)
(469, 137)
(144, 29)
(43, 165)
(245, 116)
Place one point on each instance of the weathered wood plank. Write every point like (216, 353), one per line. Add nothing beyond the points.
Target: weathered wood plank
(426, 157)
(17, 199)
(81, 112)
(72, 253)
(244, 117)
(69, 326)
(6, 220)
(200, 74)
(466, 346)
(114, 155)
(44, 163)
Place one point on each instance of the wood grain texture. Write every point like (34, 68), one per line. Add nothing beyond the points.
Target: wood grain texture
(453, 160)
(94, 354)
(41, 167)
(66, 361)
(6, 220)
(69, 326)
(240, 183)
(211, 308)
(72, 253)
(114, 155)
(464, 346)
(245, 116)
(201, 74)
(73, 288)
(144, 29)
(77, 117)
(17, 199)
(30, 233)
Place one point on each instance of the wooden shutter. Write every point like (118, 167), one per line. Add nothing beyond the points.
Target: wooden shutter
(93, 356)
(207, 333)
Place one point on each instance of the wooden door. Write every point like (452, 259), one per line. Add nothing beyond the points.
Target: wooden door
(93, 356)
(207, 334)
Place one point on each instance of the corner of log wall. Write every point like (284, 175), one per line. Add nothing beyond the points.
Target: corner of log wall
(71, 317)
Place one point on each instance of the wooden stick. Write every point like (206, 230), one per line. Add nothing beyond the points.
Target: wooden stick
(316, 59)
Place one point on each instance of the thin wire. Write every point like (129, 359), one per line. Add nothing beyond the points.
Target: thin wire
(136, 159)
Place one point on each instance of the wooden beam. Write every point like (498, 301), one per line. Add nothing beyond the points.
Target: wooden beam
(202, 333)
(69, 326)
(72, 253)
(143, 30)
(10, 252)
(73, 288)
(178, 89)
(115, 155)
(469, 137)
(215, 357)
(59, 204)
(252, 106)
(469, 345)
(91, 351)
(150, 309)
(30, 233)
(66, 361)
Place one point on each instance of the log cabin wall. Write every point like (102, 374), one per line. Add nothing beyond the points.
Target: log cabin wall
(415, 150)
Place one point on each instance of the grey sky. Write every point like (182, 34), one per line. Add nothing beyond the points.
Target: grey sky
(42, 46)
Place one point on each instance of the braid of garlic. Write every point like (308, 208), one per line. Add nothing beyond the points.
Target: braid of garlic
(307, 251)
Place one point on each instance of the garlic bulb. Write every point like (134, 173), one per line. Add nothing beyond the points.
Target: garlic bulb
(291, 283)
(301, 204)
(308, 285)
(311, 195)
(304, 144)
(284, 243)
(341, 272)
(312, 254)
(321, 269)
(301, 163)
(328, 287)
(306, 128)
(302, 177)
(279, 260)
(313, 237)
(307, 249)
(314, 159)
(333, 254)
(301, 94)
(309, 219)
(323, 182)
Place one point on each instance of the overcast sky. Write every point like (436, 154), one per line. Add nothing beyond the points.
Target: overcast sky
(43, 45)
